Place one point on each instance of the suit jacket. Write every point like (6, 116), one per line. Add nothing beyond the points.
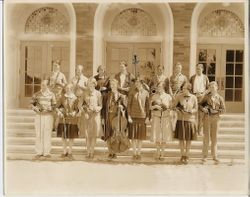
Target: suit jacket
(215, 102)
(128, 82)
(155, 80)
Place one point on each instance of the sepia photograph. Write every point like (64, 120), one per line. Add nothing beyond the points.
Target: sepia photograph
(125, 97)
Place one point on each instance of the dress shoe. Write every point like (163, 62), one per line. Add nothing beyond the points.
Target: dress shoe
(216, 160)
(138, 157)
(64, 155)
(38, 156)
(204, 159)
(182, 160)
(47, 156)
(186, 160)
(88, 156)
(70, 156)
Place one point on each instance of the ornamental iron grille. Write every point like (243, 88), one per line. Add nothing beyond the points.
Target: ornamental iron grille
(47, 20)
(221, 23)
(133, 22)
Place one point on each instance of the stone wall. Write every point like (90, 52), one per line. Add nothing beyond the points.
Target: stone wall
(85, 13)
(182, 13)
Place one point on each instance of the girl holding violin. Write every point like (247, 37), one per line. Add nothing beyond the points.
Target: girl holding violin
(114, 117)
(138, 116)
(91, 105)
(67, 128)
(160, 106)
(187, 107)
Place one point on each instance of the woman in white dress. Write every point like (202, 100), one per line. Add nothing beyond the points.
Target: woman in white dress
(91, 104)
(160, 106)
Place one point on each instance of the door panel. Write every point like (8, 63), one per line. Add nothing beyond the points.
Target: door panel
(36, 65)
(60, 51)
(232, 77)
(145, 52)
(209, 56)
(117, 52)
(33, 59)
(225, 63)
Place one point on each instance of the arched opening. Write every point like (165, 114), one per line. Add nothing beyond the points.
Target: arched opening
(36, 34)
(217, 42)
(133, 36)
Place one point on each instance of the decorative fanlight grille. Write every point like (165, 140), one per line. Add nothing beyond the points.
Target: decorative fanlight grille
(221, 23)
(133, 22)
(47, 20)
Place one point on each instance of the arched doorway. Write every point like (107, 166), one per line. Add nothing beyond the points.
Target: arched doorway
(124, 30)
(217, 41)
(36, 35)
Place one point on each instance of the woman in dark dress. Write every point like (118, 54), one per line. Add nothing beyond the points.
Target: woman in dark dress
(103, 85)
(67, 128)
(102, 80)
(138, 116)
(115, 103)
(185, 131)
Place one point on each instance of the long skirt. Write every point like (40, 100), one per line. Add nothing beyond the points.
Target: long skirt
(67, 131)
(94, 126)
(137, 129)
(185, 130)
(161, 129)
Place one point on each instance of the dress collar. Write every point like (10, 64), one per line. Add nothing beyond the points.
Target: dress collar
(69, 95)
(125, 73)
(187, 96)
(45, 93)
(199, 75)
(178, 75)
(56, 73)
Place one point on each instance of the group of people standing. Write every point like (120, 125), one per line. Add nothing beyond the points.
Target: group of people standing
(121, 107)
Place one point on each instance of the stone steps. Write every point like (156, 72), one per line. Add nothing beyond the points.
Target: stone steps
(146, 144)
(146, 152)
(121, 159)
(16, 132)
(20, 138)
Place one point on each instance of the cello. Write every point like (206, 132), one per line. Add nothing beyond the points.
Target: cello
(119, 142)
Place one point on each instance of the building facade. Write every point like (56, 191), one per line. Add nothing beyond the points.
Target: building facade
(104, 34)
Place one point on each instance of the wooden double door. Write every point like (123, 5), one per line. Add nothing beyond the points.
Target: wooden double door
(225, 64)
(148, 55)
(36, 65)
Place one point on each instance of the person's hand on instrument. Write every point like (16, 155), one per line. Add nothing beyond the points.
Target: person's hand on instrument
(130, 119)
(72, 114)
(103, 88)
(213, 111)
(79, 114)
(86, 116)
(205, 110)
(36, 109)
(124, 89)
(147, 121)
(60, 114)
(120, 107)
(158, 107)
